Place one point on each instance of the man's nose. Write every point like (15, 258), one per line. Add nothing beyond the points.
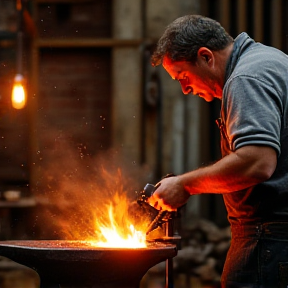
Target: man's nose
(186, 88)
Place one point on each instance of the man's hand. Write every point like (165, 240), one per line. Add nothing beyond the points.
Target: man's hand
(169, 195)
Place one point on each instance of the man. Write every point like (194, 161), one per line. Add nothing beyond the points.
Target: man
(251, 80)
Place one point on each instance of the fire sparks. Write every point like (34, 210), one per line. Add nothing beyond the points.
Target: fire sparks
(105, 212)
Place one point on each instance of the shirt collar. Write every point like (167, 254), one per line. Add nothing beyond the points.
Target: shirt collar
(241, 43)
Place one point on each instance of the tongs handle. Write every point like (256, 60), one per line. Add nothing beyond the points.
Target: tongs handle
(155, 223)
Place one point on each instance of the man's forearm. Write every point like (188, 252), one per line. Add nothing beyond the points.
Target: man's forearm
(244, 168)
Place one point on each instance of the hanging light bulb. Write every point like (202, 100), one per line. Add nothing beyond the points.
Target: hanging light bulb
(19, 96)
(18, 92)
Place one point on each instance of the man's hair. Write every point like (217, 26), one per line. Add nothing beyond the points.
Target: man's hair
(184, 36)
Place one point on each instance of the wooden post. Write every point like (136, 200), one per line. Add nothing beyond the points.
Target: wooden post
(276, 24)
(241, 20)
(258, 20)
(225, 14)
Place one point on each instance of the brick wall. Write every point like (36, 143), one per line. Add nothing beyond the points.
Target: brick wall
(75, 97)
(87, 19)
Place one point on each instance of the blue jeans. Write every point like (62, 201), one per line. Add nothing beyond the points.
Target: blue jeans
(258, 257)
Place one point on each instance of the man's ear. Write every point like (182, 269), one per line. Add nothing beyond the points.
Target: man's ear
(206, 55)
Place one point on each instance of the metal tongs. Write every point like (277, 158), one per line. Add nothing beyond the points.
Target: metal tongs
(162, 216)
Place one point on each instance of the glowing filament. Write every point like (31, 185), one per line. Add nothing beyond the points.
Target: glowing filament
(18, 93)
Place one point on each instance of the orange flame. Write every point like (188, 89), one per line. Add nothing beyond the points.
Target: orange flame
(118, 230)
(114, 237)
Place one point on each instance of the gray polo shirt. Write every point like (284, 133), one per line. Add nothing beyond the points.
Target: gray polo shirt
(255, 112)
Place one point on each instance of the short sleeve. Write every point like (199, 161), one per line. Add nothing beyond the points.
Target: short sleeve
(252, 113)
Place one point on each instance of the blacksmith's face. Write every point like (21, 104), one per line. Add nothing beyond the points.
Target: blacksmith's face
(197, 79)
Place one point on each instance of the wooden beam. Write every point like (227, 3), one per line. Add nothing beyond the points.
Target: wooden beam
(62, 1)
(21, 203)
(7, 43)
(86, 42)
